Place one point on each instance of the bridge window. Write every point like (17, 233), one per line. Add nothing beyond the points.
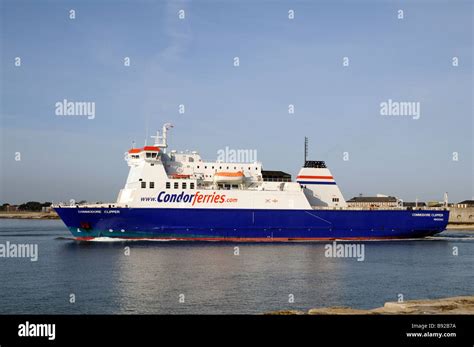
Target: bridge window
(191, 185)
(143, 184)
(168, 185)
(152, 185)
(183, 185)
(176, 185)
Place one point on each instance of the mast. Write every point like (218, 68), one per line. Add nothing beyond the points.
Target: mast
(305, 149)
(166, 127)
(162, 141)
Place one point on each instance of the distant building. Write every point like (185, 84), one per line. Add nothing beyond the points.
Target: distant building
(465, 204)
(433, 204)
(373, 201)
(11, 208)
(414, 204)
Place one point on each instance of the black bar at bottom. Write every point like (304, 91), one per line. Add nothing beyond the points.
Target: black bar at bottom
(442, 330)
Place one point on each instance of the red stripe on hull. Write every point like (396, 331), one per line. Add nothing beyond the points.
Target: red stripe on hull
(257, 239)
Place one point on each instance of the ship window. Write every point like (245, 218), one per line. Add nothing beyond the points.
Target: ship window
(168, 185)
(213, 167)
(191, 160)
(176, 186)
(191, 185)
(148, 155)
(235, 167)
(143, 184)
(153, 155)
(152, 185)
(183, 185)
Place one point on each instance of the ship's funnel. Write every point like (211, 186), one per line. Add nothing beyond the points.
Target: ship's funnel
(319, 185)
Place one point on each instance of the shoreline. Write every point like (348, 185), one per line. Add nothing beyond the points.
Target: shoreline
(457, 305)
(28, 215)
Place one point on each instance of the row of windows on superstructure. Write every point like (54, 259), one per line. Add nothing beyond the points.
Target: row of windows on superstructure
(148, 155)
(235, 167)
(184, 185)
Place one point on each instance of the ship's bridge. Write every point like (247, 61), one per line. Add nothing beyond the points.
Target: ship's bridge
(148, 153)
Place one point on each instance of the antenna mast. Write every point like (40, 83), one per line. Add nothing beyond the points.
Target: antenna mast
(305, 149)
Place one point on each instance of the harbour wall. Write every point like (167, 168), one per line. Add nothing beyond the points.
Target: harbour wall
(461, 215)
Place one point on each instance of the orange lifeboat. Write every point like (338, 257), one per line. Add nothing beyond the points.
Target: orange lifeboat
(229, 177)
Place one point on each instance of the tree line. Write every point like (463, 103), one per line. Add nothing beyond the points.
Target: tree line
(28, 206)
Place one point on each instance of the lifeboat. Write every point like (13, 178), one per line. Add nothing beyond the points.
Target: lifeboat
(229, 177)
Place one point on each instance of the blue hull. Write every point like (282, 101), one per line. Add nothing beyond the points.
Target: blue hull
(251, 225)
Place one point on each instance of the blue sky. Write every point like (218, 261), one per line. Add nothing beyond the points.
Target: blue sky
(282, 62)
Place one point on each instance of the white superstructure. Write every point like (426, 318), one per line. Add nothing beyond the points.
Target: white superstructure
(162, 178)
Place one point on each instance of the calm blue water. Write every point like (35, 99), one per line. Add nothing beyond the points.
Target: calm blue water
(214, 280)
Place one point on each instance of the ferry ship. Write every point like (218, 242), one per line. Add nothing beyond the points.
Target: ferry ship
(174, 195)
